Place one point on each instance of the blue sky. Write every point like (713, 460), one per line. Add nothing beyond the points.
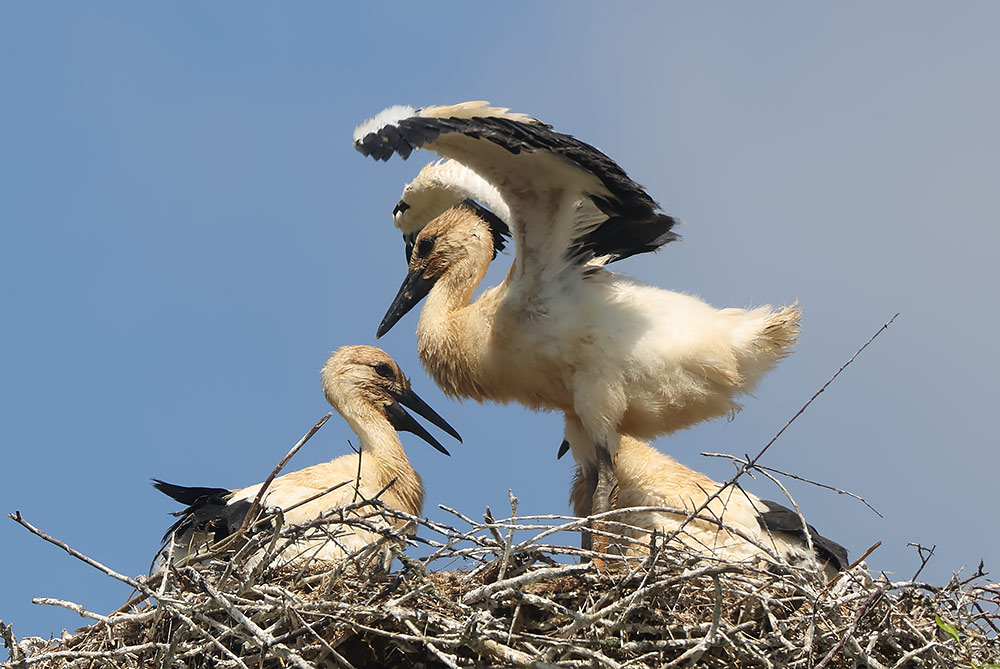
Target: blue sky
(187, 233)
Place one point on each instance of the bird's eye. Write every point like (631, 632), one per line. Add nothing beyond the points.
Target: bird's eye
(384, 370)
(425, 246)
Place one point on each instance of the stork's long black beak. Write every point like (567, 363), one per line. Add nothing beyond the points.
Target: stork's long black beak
(415, 288)
(405, 422)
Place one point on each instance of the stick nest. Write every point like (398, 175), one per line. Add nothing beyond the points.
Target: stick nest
(508, 598)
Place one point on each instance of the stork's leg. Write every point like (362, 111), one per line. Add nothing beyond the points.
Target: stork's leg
(605, 494)
(590, 481)
(590, 445)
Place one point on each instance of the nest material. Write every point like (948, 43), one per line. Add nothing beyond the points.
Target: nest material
(510, 602)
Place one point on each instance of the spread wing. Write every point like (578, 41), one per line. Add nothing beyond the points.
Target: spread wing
(569, 203)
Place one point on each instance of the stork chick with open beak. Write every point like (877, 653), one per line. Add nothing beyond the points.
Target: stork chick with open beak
(370, 391)
(561, 332)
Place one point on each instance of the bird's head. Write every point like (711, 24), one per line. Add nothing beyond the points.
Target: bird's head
(359, 380)
(423, 200)
(438, 187)
(461, 242)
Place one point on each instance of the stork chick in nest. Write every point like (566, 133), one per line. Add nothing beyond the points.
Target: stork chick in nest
(369, 390)
(735, 526)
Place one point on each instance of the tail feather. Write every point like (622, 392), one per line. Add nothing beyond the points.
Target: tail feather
(781, 329)
(187, 494)
(766, 337)
(208, 510)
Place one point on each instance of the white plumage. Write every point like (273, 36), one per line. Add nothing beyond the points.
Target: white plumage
(367, 388)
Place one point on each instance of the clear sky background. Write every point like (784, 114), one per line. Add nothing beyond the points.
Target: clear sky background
(187, 233)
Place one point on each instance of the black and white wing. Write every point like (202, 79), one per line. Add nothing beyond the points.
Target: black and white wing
(569, 203)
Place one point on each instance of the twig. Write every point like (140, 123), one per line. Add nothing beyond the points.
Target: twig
(491, 526)
(251, 514)
(84, 654)
(864, 556)
(925, 554)
(823, 388)
(7, 632)
(797, 478)
(72, 606)
(524, 579)
(16, 517)
(357, 477)
(510, 536)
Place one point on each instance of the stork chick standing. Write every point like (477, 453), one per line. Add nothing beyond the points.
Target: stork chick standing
(560, 332)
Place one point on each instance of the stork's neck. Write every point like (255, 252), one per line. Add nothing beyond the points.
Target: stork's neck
(453, 334)
(384, 463)
(379, 438)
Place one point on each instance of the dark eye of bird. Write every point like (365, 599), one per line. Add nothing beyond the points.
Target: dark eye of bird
(384, 370)
(424, 247)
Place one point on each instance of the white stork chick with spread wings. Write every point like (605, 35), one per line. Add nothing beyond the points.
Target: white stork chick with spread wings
(648, 478)
(560, 332)
(369, 390)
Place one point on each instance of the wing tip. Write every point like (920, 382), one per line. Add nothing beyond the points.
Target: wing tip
(380, 136)
(388, 116)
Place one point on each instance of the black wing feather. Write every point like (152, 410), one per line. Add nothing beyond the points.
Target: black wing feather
(208, 510)
(779, 518)
(633, 225)
(187, 494)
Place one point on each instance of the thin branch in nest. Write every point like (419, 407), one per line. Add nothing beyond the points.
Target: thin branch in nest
(16, 517)
(13, 650)
(251, 514)
(823, 388)
(762, 468)
(508, 544)
(925, 554)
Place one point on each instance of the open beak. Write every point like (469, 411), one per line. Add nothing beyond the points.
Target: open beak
(405, 422)
(415, 288)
